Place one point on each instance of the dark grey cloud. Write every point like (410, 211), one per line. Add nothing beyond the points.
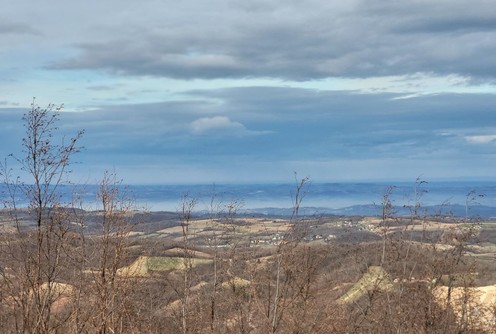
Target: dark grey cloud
(449, 25)
(292, 123)
(293, 41)
(269, 127)
(8, 27)
(239, 128)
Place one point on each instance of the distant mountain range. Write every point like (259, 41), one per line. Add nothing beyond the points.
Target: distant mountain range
(453, 210)
(347, 198)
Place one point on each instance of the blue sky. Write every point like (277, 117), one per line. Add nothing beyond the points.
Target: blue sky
(251, 91)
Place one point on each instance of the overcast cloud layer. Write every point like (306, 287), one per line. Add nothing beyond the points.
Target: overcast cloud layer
(250, 91)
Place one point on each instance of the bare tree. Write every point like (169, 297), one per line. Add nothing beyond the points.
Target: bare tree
(187, 207)
(45, 165)
(289, 242)
(112, 288)
(472, 198)
(387, 213)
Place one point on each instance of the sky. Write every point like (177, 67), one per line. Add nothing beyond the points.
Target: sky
(228, 91)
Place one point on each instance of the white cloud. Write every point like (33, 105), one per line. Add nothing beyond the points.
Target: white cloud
(482, 139)
(216, 123)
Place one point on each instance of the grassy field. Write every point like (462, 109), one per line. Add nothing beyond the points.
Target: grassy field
(374, 279)
(145, 265)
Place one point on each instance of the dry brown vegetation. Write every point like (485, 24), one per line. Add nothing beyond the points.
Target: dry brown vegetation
(118, 270)
(294, 283)
(234, 284)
